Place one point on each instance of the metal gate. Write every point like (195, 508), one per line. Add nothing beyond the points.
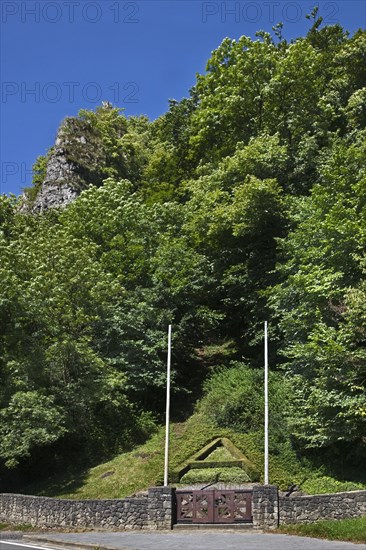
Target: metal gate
(215, 506)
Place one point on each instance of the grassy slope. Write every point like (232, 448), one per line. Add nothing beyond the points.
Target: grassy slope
(143, 467)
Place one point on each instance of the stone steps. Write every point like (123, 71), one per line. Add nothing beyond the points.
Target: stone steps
(194, 526)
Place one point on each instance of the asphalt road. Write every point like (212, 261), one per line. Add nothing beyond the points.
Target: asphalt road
(202, 540)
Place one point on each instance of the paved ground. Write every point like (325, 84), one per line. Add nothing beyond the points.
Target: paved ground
(184, 540)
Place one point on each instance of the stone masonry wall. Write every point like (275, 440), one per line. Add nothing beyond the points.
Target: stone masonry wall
(147, 512)
(265, 507)
(156, 509)
(308, 509)
(160, 508)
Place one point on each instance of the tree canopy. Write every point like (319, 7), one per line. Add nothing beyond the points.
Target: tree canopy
(244, 202)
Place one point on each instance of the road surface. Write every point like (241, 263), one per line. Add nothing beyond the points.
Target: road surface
(182, 540)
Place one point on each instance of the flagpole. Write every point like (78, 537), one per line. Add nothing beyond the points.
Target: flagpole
(166, 462)
(266, 477)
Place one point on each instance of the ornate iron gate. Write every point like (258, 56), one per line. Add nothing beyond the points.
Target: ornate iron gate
(215, 506)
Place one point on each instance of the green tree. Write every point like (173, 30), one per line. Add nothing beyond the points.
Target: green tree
(317, 302)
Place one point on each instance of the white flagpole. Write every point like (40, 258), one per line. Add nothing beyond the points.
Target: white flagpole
(266, 481)
(167, 406)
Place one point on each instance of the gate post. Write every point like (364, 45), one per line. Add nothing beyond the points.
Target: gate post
(160, 508)
(265, 507)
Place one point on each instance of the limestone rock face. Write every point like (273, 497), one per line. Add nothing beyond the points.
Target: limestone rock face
(58, 189)
(75, 161)
(53, 195)
(88, 149)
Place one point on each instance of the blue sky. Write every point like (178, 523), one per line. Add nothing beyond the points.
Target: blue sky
(58, 56)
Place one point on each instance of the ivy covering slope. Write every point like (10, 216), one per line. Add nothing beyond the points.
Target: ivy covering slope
(244, 202)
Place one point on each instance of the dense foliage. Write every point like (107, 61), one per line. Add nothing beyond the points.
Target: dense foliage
(244, 202)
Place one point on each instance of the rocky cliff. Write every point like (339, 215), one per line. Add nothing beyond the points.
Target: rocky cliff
(78, 159)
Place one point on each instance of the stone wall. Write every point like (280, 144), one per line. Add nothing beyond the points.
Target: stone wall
(153, 511)
(308, 509)
(160, 508)
(265, 507)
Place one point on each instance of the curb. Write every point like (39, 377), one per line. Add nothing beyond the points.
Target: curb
(248, 527)
(9, 535)
(72, 545)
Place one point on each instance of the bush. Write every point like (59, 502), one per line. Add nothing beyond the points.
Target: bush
(321, 485)
(234, 398)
